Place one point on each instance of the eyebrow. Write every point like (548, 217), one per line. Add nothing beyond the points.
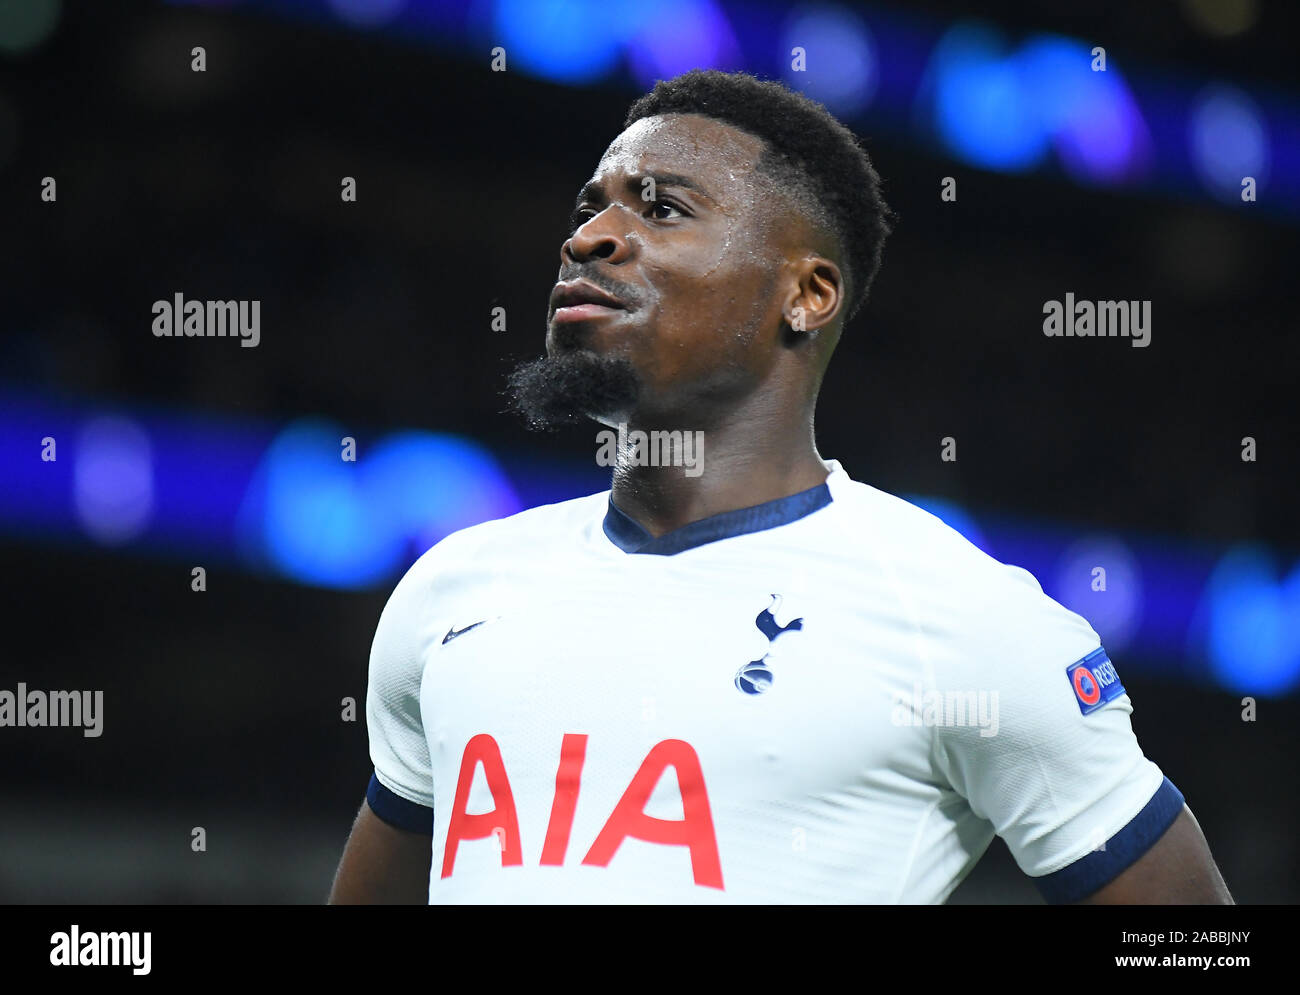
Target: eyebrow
(592, 190)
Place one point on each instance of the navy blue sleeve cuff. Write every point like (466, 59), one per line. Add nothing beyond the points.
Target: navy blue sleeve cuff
(1090, 873)
(397, 811)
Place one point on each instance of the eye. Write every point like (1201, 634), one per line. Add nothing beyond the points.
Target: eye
(659, 210)
(665, 205)
(579, 218)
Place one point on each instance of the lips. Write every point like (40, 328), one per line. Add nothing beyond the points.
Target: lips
(578, 299)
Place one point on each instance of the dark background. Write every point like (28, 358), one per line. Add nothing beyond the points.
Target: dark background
(223, 710)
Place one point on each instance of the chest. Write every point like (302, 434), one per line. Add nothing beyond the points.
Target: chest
(766, 673)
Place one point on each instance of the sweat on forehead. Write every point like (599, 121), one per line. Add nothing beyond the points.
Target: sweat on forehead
(676, 141)
(725, 162)
(692, 137)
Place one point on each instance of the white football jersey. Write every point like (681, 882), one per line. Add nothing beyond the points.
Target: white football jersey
(830, 697)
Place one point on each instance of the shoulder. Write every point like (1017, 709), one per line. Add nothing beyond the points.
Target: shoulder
(922, 546)
(433, 590)
(531, 530)
(968, 602)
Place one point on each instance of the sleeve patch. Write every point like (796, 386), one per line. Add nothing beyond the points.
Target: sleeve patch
(1094, 681)
(398, 811)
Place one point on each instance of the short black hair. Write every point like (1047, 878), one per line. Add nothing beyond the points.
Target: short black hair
(806, 149)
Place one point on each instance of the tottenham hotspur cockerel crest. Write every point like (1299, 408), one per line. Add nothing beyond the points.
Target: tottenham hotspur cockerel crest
(756, 676)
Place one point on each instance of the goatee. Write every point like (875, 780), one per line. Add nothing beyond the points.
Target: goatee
(565, 389)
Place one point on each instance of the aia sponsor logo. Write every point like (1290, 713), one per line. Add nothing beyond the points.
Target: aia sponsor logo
(694, 831)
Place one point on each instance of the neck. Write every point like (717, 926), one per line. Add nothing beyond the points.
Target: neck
(738, 464)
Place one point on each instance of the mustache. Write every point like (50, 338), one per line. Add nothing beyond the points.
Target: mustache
(625, 292)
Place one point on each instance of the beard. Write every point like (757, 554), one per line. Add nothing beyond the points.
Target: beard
(567, 388)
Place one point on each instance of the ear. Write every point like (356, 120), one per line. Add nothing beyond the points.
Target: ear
(816, 298)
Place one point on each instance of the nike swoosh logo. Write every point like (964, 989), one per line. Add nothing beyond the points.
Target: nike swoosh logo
(453, 632)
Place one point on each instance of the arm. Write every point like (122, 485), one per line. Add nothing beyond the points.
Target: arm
(1177, 870)
(382, 865)
(388, 855)
(1063, 780)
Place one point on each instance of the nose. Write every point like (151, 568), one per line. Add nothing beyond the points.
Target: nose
(600, 237)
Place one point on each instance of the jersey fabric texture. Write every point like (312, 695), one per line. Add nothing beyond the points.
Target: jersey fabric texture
(828, 698)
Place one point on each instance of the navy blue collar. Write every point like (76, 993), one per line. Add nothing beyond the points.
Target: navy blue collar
(629, 536)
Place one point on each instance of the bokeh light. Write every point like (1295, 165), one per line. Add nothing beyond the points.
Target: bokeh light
(841, 67)
(1253, 639)
(113, 485)
(1115, 611)
(1228, 140)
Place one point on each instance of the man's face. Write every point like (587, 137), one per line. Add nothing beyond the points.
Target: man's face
(688, 276)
